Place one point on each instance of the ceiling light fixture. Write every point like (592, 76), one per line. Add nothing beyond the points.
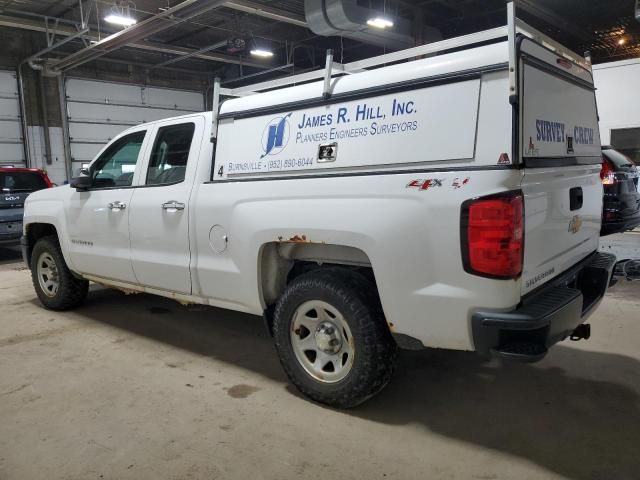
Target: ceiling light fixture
(120, 14)
(261, 52)
(120, 20)
(380, 22)
(622, 41)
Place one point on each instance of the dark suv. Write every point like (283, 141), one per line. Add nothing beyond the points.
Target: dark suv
(15, 185)
(621, 209)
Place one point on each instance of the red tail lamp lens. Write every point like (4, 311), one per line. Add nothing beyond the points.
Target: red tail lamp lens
(494, 237)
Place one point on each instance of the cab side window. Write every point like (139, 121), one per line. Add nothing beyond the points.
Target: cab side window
(116, 165)
(168, 163)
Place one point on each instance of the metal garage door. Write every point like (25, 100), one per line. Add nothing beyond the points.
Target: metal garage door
(11, 146)
(98, 111)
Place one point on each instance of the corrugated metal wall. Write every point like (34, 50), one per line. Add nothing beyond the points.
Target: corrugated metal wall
(11, 142)
(98, 111)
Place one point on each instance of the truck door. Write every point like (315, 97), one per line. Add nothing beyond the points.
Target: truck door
(97, 219)
(159, 216)
(560, 149)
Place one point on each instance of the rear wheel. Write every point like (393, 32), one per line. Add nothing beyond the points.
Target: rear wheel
(332, 338)
(54, 283)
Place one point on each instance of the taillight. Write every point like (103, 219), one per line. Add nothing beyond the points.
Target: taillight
(607, 173)
(493, 235)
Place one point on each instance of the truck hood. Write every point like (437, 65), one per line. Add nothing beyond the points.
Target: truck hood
(55, 193)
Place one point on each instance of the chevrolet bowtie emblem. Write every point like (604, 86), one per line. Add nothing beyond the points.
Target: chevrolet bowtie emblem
(575, 224)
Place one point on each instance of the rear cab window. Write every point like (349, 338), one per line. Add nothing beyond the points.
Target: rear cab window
(168, 162)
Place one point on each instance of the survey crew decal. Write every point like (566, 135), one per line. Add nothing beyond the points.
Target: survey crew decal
(397, 128)
(554, 132)
(565, 138)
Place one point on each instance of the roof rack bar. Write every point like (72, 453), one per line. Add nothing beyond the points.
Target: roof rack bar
(326, 93)
(271, 84)
(548, 42)
(513, 54)
(514, 26)
(215, 109)
(362, 65)
(429, 48)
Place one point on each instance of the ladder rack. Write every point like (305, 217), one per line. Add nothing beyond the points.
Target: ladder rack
(514, 27)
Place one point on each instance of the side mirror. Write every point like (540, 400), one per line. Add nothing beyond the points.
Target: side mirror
(83, 181)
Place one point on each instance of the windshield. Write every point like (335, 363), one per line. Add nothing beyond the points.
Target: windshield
(21, 182)
(619, 159)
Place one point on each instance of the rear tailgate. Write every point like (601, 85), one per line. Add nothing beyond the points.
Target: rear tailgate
(560, 148)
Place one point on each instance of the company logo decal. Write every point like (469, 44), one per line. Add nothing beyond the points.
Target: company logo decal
(276, 136)
(575, 224)
(11, 199)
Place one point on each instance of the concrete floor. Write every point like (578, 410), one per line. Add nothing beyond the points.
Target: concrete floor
(137, 387)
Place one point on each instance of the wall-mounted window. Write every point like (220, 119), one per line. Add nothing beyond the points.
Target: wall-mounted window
(627, 141)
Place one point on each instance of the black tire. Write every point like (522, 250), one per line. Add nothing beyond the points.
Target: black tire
(355, 297)
(71, 291)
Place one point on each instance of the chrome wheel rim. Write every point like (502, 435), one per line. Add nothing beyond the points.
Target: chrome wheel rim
(322, 341)
(48, 277)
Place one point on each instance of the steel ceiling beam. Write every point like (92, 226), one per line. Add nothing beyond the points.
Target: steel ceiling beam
(38, 26)
(209, 56)
(136, 33)
(55, 46)
(215, 46)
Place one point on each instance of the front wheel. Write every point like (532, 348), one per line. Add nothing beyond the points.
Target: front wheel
(54, 283)
(332, 338)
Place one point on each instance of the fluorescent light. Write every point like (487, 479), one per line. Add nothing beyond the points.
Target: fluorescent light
(120, 20)
(259, 52)
(380, 22)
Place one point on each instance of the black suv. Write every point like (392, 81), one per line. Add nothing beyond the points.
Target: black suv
(15, 185)
(621, 209)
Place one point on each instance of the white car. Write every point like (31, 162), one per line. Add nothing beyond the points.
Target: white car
(449, 202)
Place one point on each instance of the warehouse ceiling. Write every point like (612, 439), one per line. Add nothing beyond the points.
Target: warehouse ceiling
(216, 41)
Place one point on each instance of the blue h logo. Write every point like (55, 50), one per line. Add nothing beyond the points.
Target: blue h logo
(276, 136)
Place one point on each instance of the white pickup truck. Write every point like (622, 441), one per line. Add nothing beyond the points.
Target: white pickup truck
(451, 202)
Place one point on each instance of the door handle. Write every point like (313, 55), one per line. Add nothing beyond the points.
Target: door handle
(117, 206)
(173, 205)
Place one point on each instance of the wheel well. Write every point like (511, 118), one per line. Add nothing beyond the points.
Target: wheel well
(281, 262)
(36, 231)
